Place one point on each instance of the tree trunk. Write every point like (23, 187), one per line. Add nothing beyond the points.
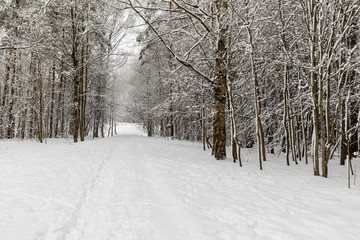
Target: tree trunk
(52, 102)
(219, 87)
(203, 129)
(75, 74)
(11, 119)
(259, 130)
(40, 96)
(5, 97)
(81, 93)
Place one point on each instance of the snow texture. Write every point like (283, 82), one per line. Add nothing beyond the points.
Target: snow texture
(133, 187)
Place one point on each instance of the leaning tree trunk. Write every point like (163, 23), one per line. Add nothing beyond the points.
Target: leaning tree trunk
(259, 129)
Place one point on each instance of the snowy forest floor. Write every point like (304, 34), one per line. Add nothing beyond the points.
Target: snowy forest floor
(133, 187)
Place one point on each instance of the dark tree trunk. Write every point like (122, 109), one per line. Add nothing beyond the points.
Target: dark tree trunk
(75, 67)
(219, 87)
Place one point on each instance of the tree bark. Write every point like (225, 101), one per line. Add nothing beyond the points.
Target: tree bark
(52, 102)
(219, 87)
(75, 69)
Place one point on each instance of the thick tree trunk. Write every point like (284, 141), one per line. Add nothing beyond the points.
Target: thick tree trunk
(219, 131)
(219, 87)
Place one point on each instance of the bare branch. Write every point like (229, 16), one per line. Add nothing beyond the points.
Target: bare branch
(183, 62)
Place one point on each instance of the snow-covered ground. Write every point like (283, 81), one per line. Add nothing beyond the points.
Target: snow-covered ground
(134, 187)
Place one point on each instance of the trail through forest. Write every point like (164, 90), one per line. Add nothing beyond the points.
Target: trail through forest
(134, 187)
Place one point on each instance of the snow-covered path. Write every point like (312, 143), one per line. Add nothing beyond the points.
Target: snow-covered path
(133, 187)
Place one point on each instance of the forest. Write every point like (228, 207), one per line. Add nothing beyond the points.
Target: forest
(281, 76)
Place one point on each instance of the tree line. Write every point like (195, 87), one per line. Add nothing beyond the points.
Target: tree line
(282, 76)
(57, 60)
